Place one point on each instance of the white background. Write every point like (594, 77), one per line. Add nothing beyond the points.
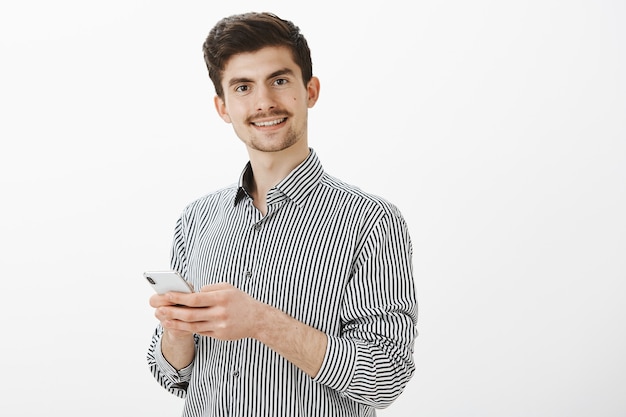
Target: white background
(497, 127)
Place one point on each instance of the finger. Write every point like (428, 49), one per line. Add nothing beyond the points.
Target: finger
(217, 287)
(184, 319)
(182, 314)
(159, 300)
(197, 299)
(182, 299)
(202, 327)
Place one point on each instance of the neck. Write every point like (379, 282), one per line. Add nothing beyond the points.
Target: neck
(270, 168)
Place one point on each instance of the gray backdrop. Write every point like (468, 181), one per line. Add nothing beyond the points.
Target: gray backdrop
(497, 127)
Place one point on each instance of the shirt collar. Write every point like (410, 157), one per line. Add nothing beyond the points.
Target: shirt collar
(296, 186)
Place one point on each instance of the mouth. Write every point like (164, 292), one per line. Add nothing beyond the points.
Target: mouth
(270, 123)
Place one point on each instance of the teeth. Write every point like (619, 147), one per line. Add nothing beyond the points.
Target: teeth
(272, 123)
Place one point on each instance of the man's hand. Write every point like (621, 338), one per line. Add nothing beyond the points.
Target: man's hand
(221, 311)
(224, 312)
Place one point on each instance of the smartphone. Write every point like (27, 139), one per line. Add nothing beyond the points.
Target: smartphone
(166, 281)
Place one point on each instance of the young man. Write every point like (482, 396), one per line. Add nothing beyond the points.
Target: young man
(305, 302)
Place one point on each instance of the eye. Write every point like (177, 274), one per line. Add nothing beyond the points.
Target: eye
(280, 81)
(242, 88)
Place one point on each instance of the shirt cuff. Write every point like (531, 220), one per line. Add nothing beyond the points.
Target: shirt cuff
(338, 366)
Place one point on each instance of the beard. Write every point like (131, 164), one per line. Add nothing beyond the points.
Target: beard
(273, 141)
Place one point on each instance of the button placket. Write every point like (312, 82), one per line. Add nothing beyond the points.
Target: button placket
(250, 241)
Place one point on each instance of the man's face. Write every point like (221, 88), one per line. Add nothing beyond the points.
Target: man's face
(265, 99)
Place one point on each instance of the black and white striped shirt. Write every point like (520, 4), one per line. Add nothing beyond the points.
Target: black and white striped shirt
(329, 255)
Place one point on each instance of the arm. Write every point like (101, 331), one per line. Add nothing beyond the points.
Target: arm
(224, 312)
(177, 347)
(170, 354)
(300, 344)
(173, 380)
(372, 360)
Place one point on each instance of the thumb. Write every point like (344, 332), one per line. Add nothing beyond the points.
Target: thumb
(217, 287)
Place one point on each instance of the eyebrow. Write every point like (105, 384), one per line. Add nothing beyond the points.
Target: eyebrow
(282, 71)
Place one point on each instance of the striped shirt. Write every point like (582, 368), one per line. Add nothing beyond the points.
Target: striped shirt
(329, 255)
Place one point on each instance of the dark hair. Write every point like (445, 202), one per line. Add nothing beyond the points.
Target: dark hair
(249, 32)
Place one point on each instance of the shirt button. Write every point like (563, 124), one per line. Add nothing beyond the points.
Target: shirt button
(257, 227)
(248, 274)
(236, 374)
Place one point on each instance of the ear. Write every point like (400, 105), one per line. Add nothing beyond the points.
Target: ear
(313, 89)
(220, 106)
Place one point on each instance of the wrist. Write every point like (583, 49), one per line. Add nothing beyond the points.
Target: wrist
(266, 323)
(176, 336)
(299, 343)
(178, 348)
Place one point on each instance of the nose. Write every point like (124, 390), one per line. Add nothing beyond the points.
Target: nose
(265, 99)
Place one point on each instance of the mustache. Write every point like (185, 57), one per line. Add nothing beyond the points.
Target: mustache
(268, 114)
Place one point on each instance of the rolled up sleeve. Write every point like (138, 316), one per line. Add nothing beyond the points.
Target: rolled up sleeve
(371, 361)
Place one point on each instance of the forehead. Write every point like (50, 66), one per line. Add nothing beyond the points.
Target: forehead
(260, 64)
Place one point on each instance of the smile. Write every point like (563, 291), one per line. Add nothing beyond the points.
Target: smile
(270, 123)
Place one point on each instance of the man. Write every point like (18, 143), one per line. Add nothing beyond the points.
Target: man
(305, 302)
